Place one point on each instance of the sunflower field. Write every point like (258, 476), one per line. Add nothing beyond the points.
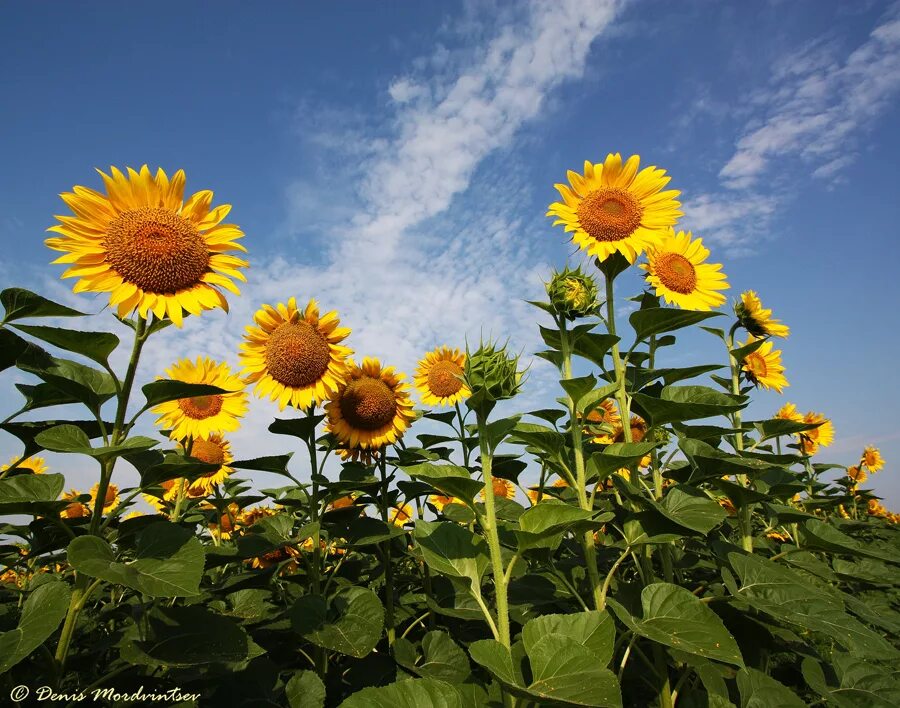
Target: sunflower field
(639, 541)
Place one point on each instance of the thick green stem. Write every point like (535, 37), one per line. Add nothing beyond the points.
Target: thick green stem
(489, 523)
(320, 653)
(619, 367)
(386, 552)
(745, 518)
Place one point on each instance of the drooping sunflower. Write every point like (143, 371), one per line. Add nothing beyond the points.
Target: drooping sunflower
(295, 356)
(110, 501)
(872, 458)
(202, 416)
(148, 246)
(613, 207)
(34, 464)
(606, 415)
(502, 488)
(438, 377)
(228, 521)
(216, 451)
(857, 474)
(823, 435)
(371, 409)
(677, 269)
(75, 509)
(763, 367)
(757, 320)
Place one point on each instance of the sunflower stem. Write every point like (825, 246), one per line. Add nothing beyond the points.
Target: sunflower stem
(320, 654)
(587, 538)
(745, 513)
(386, 550)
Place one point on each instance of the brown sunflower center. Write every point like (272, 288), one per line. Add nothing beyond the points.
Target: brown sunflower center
(368, 403)
(157, 250)
(201, 407)
(610, 214)
(297, 354)
(676, 272)
(209, 452)
(756, 366)
(442, 378)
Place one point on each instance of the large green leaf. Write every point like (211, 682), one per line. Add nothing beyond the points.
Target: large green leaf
(305, 690)
(861, 685)
(452, 550)
(819, 534)
(84, 383)
(691, 508)
(72, 439)
(451, 480)
(189, 636)
(679, 403)
(96, 346)
(31, 488)
(593, 630)
(614, 457)
(43, 395)
(544, 524)
(350, 622)
(677, 618)
(440, 657)
(761, 691)
(43, 611)
(414, 693)
(165, 390)
(11, 347)
(19, 303)
(656, 320)
(168, 561)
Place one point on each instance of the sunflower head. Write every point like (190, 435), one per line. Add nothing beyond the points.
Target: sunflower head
(213, 450)
(202, 416)
(371, 409)
(492, 374)
(572, 293)
(502, 488)
(757, 320)
(295, 356)
(602, 422)
(872, 459)
(110, 501)
(822, 435)
(248, 517)
(638, 430)
(148, 246)
(439, 377)
(677, 269)
(857, 474)
(763, 367)
(33, 464)
(75, 509)
(400, 514)
(789, 412)
(613, 207)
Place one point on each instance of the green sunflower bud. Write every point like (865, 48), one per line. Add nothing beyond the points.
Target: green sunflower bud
(572, 293)
(492, 374)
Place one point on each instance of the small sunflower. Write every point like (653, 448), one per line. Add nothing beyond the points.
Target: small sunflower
(110, 501)
(399, 515)
(170, 492)
(613, 207)
(605, 416)
(872, 458)
(147, 246)
(202, 416)
(75, 509)
(439, 501)
(763, 367)
(371, 409)
(638, 430)
(677, 269)
(250, 516)
(229, 521)
(757, 320)
(535, 495)
(344, 502)
(33, 464)
(857, 474)
(778, 536)
(439, 377)
(295, 357)
(823, 435)
(789, 412)
(502, 488)
(214, 450)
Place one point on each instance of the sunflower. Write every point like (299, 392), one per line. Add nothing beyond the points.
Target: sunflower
(110, 501)
(535, 495)
(763, 367)
(438, 377)
(202, 416)
(502, 488)
(778, 536)
(638, 430)
(872, 458)
(170, 491)
(789, 412)
(677, 270)
(613, 207)
(35, 465)
(399, 515)
(229, 521)
(75, 509)
(344, 502)
(214, 450)
(295, 357)
(823, 435)
(371, 409)
(605, 415)
(251, 516)
(439, 501)
(757, 320)
(147, 246)
(857, 474)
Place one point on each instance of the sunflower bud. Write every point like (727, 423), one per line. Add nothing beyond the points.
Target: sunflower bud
(492, 374)
(572, 293)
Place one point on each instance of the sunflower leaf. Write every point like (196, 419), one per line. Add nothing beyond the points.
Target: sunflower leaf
(96, 346)
(166, 390)
(19, 303)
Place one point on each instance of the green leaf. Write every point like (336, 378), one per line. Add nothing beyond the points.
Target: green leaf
(656, 320)
(691, 508)
(84, 383)
(675, 617)
(679, 403)
(19, 303)
(441, 658)
(298, 427)
(43, 395)
(594, 346)
(548, 521)
(452, 550)
(366, 531)
(31, 488)
(451, 480)
(44, 609)
(72, 439)
(862, 685)
(96, 346)
(614, 457)
(819, 534)
(11, 348)
(350, 622)
(168, 561)
(414, 693)
(777, 427)
(191, 636)
(273, 463)
(166, 390)
(593, 630)
(761, 691)
(578, 388)
(305, 690)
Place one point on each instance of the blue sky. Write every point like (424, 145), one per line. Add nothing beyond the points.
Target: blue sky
(395, 160)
